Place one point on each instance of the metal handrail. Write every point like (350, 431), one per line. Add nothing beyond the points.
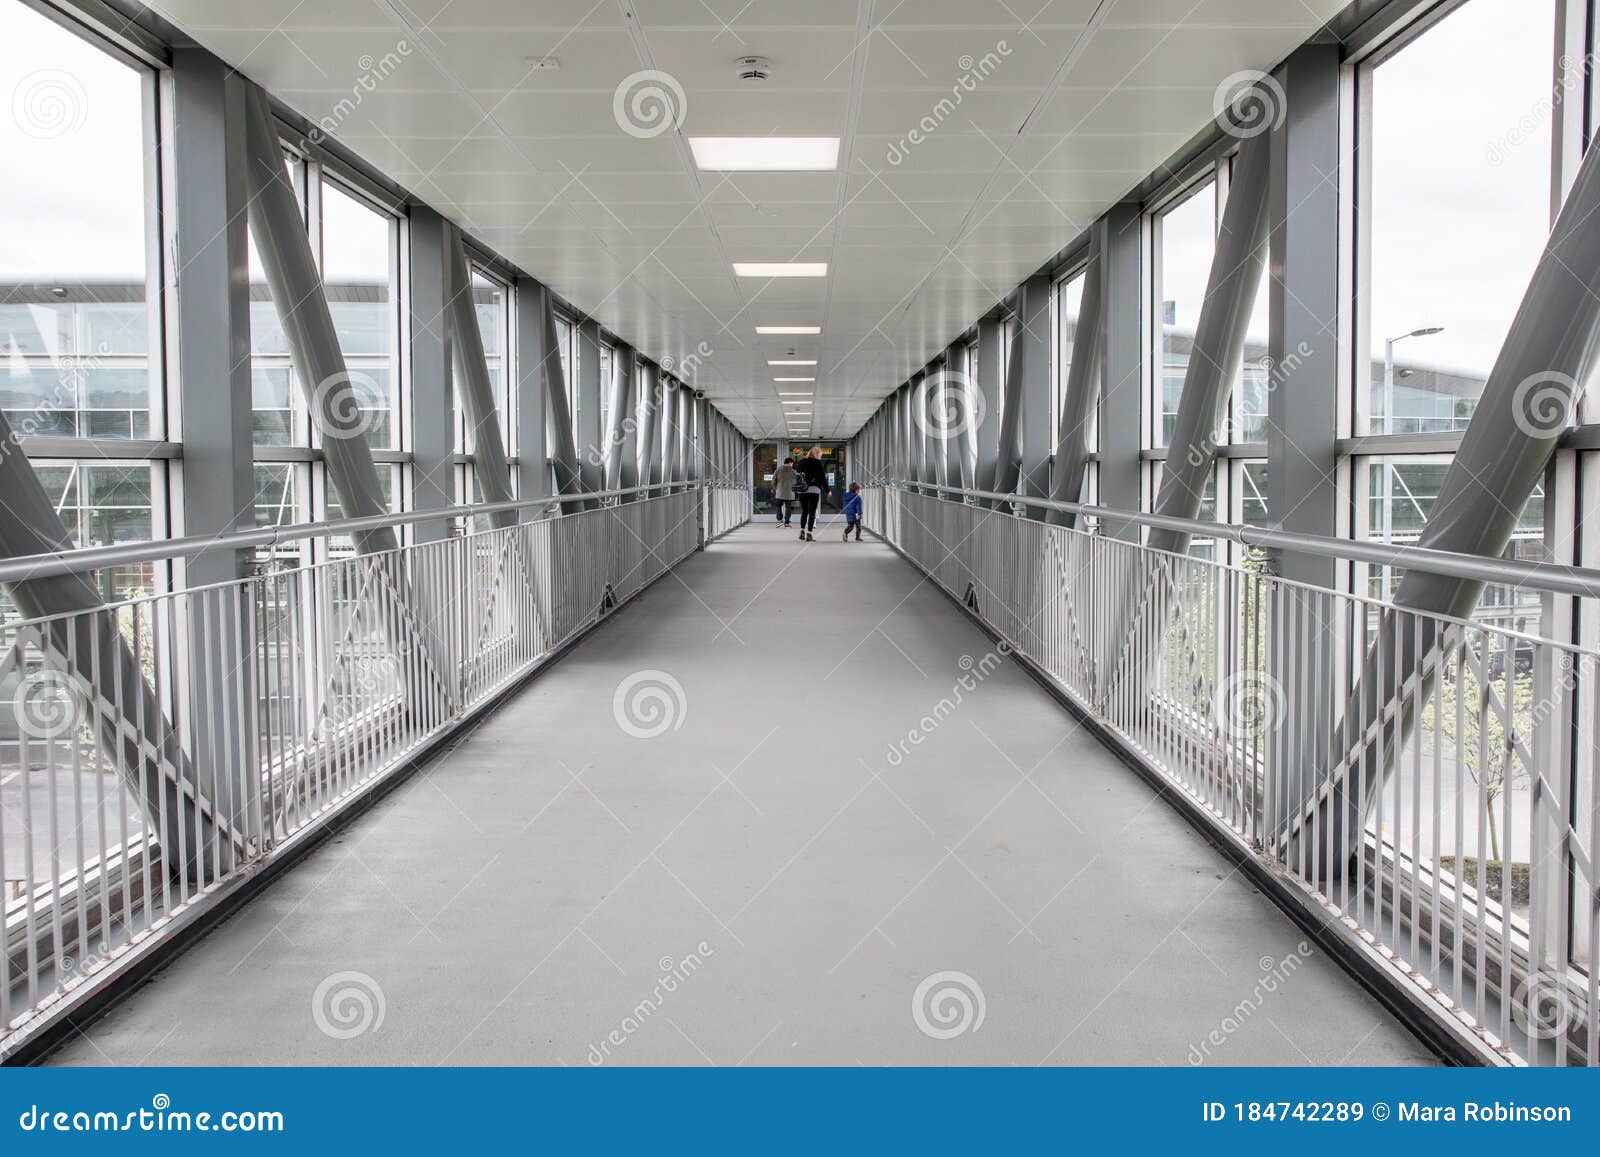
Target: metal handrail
(1558, 578)
(36, 566)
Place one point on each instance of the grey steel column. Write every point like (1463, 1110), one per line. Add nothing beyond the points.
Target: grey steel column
(104, 675)
(291, 271)
(697, 438)
(683, 430)
(588, 406)
(630, 426)
(212, 398)
(433, 409)
(917, 429)
(671, 447)
(936, 399)
(619, 416)
(1122, 377)
(1526, 405)
(472, 381)
(649, 424)
(984, 442)
(1034, 434)
(533, 464)
(561, 445)
(1236, 268)
(1082, 390)
(1304, 299)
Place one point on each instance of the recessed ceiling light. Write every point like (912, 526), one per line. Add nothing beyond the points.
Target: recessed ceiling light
(766, 154)
(788, 329)
(794, 379)
(791, 361)
(781, 268)
(794, 393)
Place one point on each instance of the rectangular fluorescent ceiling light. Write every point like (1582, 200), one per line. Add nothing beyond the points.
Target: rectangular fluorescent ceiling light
(765, 154)
(778, 329)
(791, 361)
(794, 393)
(781, 268)
(794, 379)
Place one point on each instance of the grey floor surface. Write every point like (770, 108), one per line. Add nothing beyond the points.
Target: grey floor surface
(767, 881)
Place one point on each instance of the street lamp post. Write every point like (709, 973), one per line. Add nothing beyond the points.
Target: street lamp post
(1388, 371)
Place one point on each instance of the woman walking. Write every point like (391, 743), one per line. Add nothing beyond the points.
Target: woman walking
(783, 491)
(813, 481)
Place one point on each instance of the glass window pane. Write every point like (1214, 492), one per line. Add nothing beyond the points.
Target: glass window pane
(1459, 207)
(357, 261)
(1186, 237)
(1401, 492)
(490, 308)
(73, 236)
(1069, 299)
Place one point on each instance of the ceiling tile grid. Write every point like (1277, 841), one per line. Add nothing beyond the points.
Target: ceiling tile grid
(978, 138)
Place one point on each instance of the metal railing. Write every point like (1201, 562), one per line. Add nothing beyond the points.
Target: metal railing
(162, 749)
(727, 508)
(1426, 787)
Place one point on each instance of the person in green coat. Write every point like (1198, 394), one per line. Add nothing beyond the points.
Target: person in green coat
(783, 491)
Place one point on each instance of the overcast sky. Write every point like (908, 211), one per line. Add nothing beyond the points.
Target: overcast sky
(1461, 157)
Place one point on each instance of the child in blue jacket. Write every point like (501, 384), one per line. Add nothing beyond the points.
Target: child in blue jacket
(852, 512)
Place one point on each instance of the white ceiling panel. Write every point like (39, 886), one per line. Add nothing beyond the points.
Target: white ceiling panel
(921, 235)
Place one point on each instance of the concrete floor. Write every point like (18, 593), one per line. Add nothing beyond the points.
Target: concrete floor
(763, 882)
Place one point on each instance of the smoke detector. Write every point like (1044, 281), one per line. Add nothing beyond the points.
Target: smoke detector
(753, 68)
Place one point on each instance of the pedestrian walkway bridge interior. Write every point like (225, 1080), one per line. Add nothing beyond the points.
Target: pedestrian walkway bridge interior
(408, 652)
